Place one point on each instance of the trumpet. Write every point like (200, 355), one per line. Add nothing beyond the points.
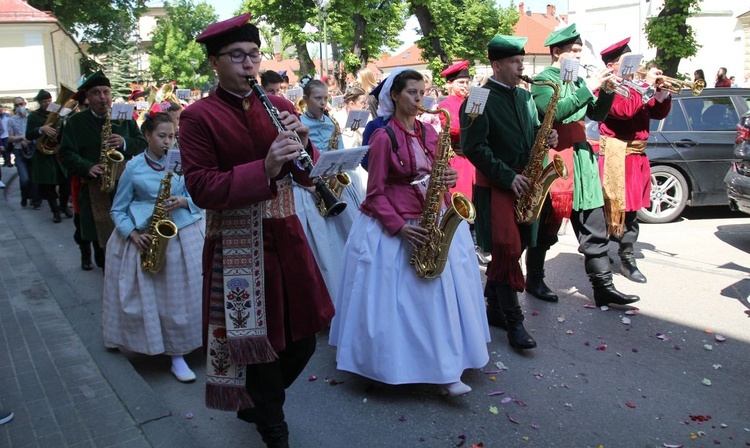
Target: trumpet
(675, 85)
(612, 85)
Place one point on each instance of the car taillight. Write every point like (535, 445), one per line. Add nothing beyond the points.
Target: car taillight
(743, 134)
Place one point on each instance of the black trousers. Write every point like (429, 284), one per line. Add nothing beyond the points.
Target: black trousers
(266, 383)
(630, 236)
(546, 235)
(590, 228)
(49, 192)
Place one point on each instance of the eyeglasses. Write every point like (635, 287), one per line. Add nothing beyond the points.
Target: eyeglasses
(238, 56)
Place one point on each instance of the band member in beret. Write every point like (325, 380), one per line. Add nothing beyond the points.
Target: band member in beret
(80, 151)
(46, 170)
(579, 197)
(458, 83)
(264, 298)
(498, 142)
(624, 165)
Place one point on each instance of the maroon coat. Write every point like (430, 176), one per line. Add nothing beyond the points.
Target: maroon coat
(223, 151)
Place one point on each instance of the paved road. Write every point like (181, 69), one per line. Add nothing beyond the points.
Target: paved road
(593, 381)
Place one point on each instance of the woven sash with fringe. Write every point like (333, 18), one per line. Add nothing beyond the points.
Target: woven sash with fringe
(237, 333)
(613, 179)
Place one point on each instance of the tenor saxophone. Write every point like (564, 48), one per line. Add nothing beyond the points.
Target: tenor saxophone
(110, 158)
(430, 259)
(339, 181)
(529, 205)
(161, 229)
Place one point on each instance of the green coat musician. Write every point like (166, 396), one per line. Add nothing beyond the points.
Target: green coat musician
(45, 169)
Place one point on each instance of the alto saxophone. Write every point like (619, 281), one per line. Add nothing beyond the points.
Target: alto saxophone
(108, 157)
(529, 205)
(161, 229)
(430, 259)
(337, 182)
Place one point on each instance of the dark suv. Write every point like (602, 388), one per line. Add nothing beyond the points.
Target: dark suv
(738, 176)
(691, 150)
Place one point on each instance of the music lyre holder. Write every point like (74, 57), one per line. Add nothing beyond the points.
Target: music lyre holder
(355, 124)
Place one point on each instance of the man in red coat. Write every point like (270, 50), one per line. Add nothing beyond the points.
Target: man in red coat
(264, 297)
(623, 164)
(458, 83)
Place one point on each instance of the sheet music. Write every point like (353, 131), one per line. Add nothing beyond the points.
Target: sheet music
(174, 161)
(356, 119)
(340, 160)
(183, 94)
(337, 102)
(294, 94)
(141, 105)
(569, 69)
(476, 100)
(53, 108)
(629, 64)
(121, 111)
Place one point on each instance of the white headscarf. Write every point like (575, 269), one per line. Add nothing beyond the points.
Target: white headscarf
(385, 103)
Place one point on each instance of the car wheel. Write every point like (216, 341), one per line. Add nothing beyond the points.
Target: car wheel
(669, 195)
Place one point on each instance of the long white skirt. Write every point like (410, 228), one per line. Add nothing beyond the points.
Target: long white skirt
(154, 313)
(392, 326)
(327, 236)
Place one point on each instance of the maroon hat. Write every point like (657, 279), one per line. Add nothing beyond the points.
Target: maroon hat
(135, 94)
(614, 51)
(221, 34)
(459, 70)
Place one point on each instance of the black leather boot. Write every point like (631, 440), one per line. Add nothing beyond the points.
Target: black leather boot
(495, 316)
(605, 293)
(86, 256)
(535, 275)
(518, 337)
(628, 267)
(274, 435)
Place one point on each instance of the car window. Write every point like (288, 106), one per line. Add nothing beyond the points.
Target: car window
(747, 102)
(675, 121)
(711, 113)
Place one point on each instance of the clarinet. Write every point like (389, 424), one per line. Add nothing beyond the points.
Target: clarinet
(334, 205)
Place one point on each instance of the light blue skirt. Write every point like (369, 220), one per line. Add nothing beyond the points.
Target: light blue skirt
(392, 326)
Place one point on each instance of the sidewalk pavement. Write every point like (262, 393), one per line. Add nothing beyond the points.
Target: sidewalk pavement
(65, 388)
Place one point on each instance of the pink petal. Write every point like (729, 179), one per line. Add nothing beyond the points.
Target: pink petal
(588, 305)
(511, 419)
(497, 392)
(312, 378)
(538, 376)
(673, 446)
(719, 338)
(189, 415)
(506, 400)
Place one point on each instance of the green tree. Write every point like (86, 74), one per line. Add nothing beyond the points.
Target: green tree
(459, 29)
(669, 32)
(289, 16)
(118, 66)
(175, 56)
(99, 22)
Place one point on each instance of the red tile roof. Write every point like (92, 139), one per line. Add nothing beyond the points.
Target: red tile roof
(18, 11)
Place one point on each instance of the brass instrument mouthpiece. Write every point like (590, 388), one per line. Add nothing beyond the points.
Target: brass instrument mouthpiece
(525, 78)
(421, 108)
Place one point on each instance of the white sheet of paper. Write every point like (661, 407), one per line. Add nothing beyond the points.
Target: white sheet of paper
(337, 102)
(477, 100)
(141, 105)
(122, 111)
(357, 119)
(629, 64)
(569, 69)
(340, 160)
(428, 102)
(294, 94)
(174, 161)
(65, 111)
(183, 94)
(53, 108)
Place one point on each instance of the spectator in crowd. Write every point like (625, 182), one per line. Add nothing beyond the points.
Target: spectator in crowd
(366, 80)
(6, 149)
(23, 153)
(271, 82)
(721, 78)
(734, 82)
(698, 74)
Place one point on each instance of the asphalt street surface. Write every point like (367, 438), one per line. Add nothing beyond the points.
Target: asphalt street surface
(597, 378)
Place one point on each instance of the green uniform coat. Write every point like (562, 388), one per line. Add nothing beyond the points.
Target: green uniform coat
(45, 169)
(80, 149)
(498, 142)
(576, 102)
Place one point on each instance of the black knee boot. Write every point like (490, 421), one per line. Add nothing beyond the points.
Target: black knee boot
(274, 435)
(628, 267)
(518, 337)
(85, 247)
(605, 293)
(495, 316)
(535, 275)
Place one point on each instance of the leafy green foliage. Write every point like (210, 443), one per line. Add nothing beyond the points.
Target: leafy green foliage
(669, 32)
(175, 56)
(100, 22)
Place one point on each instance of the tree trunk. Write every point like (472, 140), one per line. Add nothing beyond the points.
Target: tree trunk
(306, 66)
(360, 27)
(427, 24)
(669, 65)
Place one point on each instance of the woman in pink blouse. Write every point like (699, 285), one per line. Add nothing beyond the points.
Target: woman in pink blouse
(390, 325)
